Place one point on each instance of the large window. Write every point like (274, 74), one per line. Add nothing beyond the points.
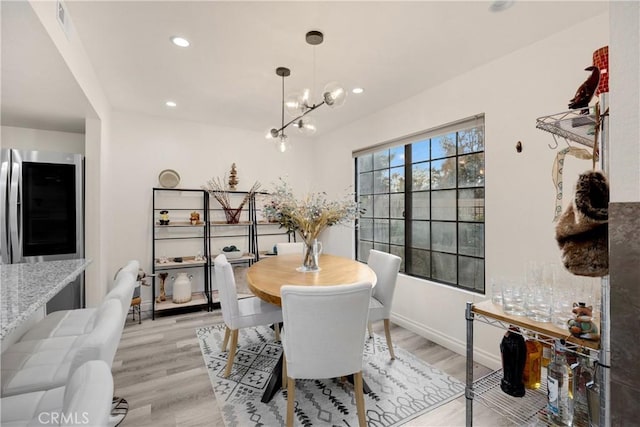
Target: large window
(423, 199)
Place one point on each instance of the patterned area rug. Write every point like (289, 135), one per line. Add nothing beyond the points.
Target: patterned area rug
(400, 390)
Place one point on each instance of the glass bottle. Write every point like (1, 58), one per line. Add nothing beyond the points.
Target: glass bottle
(558, 401)
(582, 375)
(547, 351)
(514, 352)
(533, 365)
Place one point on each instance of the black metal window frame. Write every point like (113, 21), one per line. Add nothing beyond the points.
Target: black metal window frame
(472, 217)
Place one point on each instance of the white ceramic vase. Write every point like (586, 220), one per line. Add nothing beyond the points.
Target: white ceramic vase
(182, 288)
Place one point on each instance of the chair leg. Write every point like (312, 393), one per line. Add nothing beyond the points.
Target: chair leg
(232, 352)
(370, 330)
(284, 371)
(276, 328)
(387, 332)
(357, 386)
(226, 338)
(291, 395)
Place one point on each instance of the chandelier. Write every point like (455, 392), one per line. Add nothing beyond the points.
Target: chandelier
(299, 105)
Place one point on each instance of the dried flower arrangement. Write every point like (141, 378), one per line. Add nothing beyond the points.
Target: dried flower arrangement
(310, 215)
(220, 192)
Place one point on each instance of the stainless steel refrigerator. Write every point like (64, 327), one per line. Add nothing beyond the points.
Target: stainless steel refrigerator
(42, 196)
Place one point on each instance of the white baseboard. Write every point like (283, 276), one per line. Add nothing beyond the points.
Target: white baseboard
(483, 357)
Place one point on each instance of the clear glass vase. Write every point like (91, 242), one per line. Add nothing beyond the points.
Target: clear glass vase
(312, 252)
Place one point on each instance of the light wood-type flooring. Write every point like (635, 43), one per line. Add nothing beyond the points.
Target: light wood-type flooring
(160, 371)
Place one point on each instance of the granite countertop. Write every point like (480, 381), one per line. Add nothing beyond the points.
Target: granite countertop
(24, 288)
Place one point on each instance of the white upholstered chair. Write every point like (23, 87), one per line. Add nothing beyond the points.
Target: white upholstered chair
(38, 365)
(81, 321)
(243, 313)
(323, 336)
(290, 248)
(386, 267)
(84, 400)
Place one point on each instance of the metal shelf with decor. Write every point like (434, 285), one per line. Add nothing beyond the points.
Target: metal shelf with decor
(179, 245)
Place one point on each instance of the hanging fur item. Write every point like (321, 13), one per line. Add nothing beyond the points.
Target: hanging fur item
(582, 230)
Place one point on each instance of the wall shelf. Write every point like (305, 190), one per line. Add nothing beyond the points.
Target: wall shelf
(572, 125)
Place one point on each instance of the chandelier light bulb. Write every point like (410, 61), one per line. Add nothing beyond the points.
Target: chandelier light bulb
(294, 104)
(334, 94)
(271, 133)
(282, 143)
(306, 125)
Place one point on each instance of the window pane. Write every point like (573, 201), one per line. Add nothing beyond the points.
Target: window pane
(397, 180)
(366, 205)
(444, 267)
(471, 273)
(443, 237)
(381, 247)
(399, 251)
(420, 206)
(381, 206)
(381, 159)
(397, 205)
(420, 263)
(443, 205)
(365, 163)
(365, 229)
(443, 146)
(363, 250)
(471, 140)
(420, 234)
(381, 230)
(471, 170)
(443, 173)
(365, 183)
(471, 205)
(420, 151)
(471, 239)
(396, 156)
(420, 176)
(397, 232)
(381, 181)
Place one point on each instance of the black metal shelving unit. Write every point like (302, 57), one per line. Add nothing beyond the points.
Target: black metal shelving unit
(180, 229)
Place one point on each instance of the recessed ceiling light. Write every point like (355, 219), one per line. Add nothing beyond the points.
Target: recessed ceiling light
(180, 41)
(170, 104)
(500, 5)
(357, 90)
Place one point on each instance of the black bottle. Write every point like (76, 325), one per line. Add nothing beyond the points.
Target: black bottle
(514, 354)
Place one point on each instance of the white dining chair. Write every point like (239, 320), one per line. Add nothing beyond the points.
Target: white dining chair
(386, 267)
(286, 248)
(323, 336)
(84, 400)
(240, 313)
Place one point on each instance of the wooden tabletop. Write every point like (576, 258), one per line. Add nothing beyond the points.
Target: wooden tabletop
(267, 276)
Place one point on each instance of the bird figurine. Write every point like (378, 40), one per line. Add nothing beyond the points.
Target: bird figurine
(586, 90)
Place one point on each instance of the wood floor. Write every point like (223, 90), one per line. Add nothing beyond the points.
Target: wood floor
(160, 371)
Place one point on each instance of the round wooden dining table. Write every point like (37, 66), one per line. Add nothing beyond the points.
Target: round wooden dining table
(267, 276)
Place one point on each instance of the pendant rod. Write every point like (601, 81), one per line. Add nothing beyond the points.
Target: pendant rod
(284, 126)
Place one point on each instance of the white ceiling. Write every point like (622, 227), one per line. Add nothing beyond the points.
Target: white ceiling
(227, 77)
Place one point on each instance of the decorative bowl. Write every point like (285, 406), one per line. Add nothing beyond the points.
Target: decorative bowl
(233, 254)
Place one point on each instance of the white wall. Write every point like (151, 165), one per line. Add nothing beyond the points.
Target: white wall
(42, 140)
(142, 146)
(97, 138)
(512, 92)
